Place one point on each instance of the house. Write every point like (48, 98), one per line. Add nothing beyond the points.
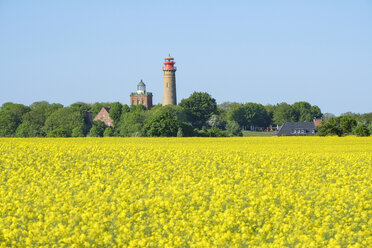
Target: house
(299, 128)
(104, 116)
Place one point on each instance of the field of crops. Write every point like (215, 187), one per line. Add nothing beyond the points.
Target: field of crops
(186, 192)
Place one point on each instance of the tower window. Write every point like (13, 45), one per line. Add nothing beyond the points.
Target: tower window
(167, 85)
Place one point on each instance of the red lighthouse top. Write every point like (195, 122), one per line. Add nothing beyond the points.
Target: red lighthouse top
(169, 64)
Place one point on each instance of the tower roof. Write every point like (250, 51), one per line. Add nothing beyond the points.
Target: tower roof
(169, 57)
(141, 83)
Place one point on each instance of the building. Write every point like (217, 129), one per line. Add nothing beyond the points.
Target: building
(104, 116)
(169, 82)
(141, 96)
(299, 128)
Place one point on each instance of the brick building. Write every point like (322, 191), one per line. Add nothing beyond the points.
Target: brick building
(104, 116)
(141, 96)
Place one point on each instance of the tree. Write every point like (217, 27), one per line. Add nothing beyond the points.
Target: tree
(164, 123)
(77, 132)
(270, 112)
(11, 117)
(199, 107)
(250, 114)
(284, 113)
(327, 116)
(97, 129)
(215, 121)
(362, 131)
(370, 128)
(65, 119)
(238, 115)
(187, 130)
(339, 126)
(233, 128)
(109, 132)
(327, 128)
(80, 106)
(131, 123)
(97, 106)
(214, 132)
(365, 119)
(35, 119)
(26, 129)
(125, 109)
(346, 123)
(303, 111)
(316, 112)
(59, 132)
(115, 112)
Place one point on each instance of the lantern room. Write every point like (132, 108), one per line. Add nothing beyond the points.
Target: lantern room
(141, 88)
(169, 64)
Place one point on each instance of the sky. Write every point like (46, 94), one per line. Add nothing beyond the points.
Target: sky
(266, 52)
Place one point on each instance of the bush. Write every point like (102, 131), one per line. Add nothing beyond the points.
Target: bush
(58, 132)
(187, 130)
(97, 130)
(361, 130)
(342, 125)
(77, 132)
(234, 129)
(109, 132)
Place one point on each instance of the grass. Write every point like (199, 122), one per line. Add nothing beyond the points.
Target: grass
(256, 134)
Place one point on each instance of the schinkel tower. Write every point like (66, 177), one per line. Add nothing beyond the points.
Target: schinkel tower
(169, 82)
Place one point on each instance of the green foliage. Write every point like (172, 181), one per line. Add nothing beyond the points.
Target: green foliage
(77, 132)
(303, 111)
(36, 118)
(59, 132)
(339, 126)
(187, 130)
(11, 117)
(115, 112)
(346, 123)
(212, 132)
(26, 129)
(327, 116)
(109, 132)
(97, 129)
(233, 128)
(80, 106)
(66, 119)
(216, 121)
(284, 112)
(131, 123)
(315, 112)
(329, 129)
(250, 114)
(180, 132)
(137, 108)
(97, 106)
(125, 109)
(362, 131)
(365, 119)
(163, 123)
(199, 107)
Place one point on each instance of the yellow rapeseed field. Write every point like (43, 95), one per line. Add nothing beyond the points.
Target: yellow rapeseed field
(186, 192)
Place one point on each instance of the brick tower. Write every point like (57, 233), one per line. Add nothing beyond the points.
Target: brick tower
(141, 96)
(169, 82)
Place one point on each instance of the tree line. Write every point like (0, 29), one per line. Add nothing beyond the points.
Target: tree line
(197, 115)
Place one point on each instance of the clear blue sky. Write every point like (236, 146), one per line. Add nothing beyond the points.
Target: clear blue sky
(243, 51)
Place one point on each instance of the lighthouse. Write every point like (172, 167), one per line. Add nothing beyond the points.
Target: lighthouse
(169, 82)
